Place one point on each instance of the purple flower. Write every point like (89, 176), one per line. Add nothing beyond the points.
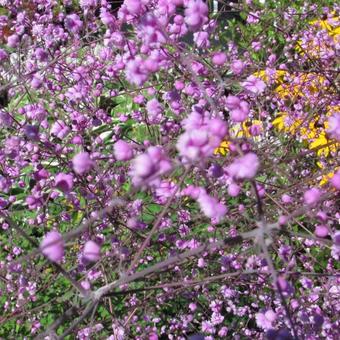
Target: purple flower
(60, 129)
(244, 167)
(146, 168)
(216, 318)
(239, 109)
(286, 199)
(73, 23)
(64, 182)
(196, 14)
(52, 246)
(223, 332)
(165, 190)
(136, 72)
(32, 132)
(211, 207)
(150, 31)
(91, 251)
(312, 196)
(321, 230)
(122, 151)
(41, 54)
(13, 41)
(107, 18)
(232, 102)
(234, 190)
(201, 138)
(36, 81)
(219, 58)
(334, 126)
(265, 320)
(155, 110)
(237, 66)
(207, 327)
(3, 54)
(201, 39)
(82, 163)
(241, 113)
(254, 85)
(335, 180)
(336, 238)
(133, 6)
(253, 18)
(87, 3)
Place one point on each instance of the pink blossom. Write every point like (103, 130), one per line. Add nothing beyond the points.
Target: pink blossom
(286, 198)
(91, 251)
(219, 58)
(13, 41)
(253, 18)
(122, 151)
(82, 163)
(133, 6)
(201, 39)
(223, 332)
(73, 23)
(64, 182)
(244, 167)
(232, 102)
(334, 126)
(265, 320)
(60, 129)
(3, 54)
(335, 180)
(241, 113)
(237, 66)
(254, 85)
(52, 246)
(107, 18)
(312, 196)
(155, 110)
(207, 327)
(196, 14)
(146, 168)
(211, 207)
(201, 138)
(192, 306)
(321, 230)
(239, 109)
(136, 72)
(234, 190)
(41, 54)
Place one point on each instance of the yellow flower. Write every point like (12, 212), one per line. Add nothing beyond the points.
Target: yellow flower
(280, 123)
(325, 178)
(309, 82)
(278, 76)
(262, 75)
(223, 149)
(321, 145)
(323, 24)
(331, 25)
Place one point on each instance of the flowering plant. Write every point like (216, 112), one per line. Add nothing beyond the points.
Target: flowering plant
(169, 172)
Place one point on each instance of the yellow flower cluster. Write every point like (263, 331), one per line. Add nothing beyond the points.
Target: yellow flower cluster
(314, 134)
